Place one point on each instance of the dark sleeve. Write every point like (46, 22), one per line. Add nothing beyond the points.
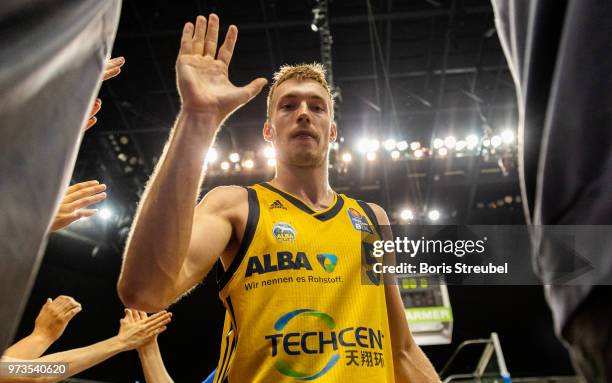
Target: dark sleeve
(52, 54)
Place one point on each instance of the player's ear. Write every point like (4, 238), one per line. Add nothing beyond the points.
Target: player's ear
(333, 133)
(268, 131)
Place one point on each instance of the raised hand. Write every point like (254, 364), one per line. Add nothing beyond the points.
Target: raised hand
(77, 198)
(132, 316)
(202, 79)
(113, 68)
(136, 331)
(92, 114)
(54, 317)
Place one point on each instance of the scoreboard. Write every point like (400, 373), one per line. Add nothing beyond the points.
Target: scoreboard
(427, 307)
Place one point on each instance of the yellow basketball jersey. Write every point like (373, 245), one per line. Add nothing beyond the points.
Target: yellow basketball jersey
(297, 307)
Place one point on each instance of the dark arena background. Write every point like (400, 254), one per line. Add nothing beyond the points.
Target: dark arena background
(427, 122)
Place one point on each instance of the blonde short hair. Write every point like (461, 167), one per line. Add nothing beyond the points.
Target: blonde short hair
(300, 72)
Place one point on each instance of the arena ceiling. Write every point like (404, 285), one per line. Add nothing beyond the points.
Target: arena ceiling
(408, 71)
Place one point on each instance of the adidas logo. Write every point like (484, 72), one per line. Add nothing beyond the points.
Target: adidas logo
(277, 205)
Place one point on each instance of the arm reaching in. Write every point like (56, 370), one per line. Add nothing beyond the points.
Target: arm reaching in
(76, 200)
(149, 354)
(172, 244)
(49, 326)
(131, 336)
(113, 68)
(410, 363)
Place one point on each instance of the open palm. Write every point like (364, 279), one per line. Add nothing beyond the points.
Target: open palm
(203, 81)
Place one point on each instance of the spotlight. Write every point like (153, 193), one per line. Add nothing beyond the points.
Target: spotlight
(402, 145)
(225, 166)
(395, 155)
(389, 144)
(234, 157)
(507, 136)
(347, 157)
(269, 152)
(418, 153)
(433, 215)
(212, 156)
(368, 145)
(248, 164)
(373, 145)
(406, 215)
(460, 145)
(486, 142)
(438, 143)
(472, 141)
(106, 213)
(496, 141)
(415, 145)
(371, 156)
(450, 142)
(442, 152)
(271, 162)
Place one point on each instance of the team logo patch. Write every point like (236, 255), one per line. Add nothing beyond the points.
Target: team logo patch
(284, 367)
(277, 205)
(328, 261)
(283, 232)
(359, 221)
(293, 340)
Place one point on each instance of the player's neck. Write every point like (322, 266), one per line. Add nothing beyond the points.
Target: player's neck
(311, 185)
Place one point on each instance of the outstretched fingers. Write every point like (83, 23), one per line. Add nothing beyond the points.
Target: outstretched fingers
(199, 36)
(212, 35)
(251, 90)
(83, 193)
(157, 321)
(187, 39)
(81, 185)
(113, 68)
(227, 49)
(84, 202)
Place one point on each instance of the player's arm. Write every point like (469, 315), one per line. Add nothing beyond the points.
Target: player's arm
(158, 254)
(409, 362)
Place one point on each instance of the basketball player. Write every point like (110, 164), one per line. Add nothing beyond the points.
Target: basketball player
(290, 249)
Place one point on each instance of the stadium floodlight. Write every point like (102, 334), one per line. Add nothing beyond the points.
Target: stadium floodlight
(433, 215)
(450, 142)
(496, 141)
(234, 157)
(507, 136)
(406, 215)
(212, 156)
(471, 141)
(248, 164)
(402, 145)
(389, 144)
(106, 213)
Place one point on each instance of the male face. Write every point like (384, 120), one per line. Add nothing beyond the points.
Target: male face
(300, 124)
